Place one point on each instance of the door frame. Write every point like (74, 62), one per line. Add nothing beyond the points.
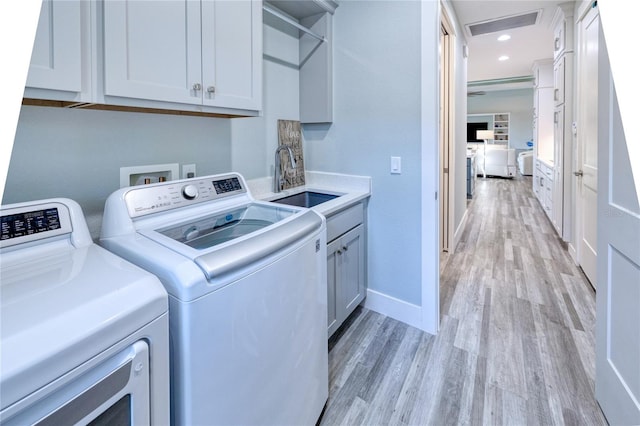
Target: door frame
(446, 139)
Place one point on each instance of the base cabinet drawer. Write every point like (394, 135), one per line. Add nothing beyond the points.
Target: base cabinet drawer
(343, 221)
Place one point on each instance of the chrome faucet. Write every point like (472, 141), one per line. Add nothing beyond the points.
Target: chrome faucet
(278, 180)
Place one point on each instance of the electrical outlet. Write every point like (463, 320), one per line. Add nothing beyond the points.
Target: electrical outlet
(188, 171)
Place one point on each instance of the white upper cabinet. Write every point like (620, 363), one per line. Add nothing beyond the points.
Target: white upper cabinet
(559, 39)
(232, 54)
(152, 50)
(56, 59)
(184, 55)
(183, 51)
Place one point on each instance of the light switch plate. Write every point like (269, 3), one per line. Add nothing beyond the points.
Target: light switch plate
(396, 165)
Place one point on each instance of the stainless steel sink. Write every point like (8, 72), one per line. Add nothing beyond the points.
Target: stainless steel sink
(306, 199)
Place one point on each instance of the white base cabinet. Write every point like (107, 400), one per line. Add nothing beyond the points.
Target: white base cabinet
(543, 186)
(346, 280)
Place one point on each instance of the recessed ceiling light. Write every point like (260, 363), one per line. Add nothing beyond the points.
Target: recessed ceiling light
(503, 58)
(504, 37)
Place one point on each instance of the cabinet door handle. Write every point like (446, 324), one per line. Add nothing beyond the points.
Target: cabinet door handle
(211, 89)
(556, 93)
(345, 248)
(578, 173)
(555, 117)
(339, 251)
(197, 86)
(556, 44)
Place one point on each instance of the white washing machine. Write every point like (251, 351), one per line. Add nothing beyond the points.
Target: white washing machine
(247, 297)
(84, 332)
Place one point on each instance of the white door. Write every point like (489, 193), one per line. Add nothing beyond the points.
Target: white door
(152, 50)
(618, 295)
(56, 56)
(587, 145)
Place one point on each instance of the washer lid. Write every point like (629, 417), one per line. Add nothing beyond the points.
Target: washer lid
(226, 241)
(228, 225)
(61, 307)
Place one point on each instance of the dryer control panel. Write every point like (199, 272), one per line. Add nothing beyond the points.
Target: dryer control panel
(165, 196)
(33, 222)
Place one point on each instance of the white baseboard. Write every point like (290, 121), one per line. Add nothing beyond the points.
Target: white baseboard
(573, 253)
(459, 230)
(397, 309)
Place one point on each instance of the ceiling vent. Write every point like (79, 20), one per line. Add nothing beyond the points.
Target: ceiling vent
(503, 24)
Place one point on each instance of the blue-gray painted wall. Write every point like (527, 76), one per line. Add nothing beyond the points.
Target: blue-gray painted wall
(377, 106)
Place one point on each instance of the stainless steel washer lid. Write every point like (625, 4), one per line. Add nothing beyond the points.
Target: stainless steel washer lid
(62, 306)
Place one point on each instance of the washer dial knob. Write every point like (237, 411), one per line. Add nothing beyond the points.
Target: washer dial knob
(189, 192)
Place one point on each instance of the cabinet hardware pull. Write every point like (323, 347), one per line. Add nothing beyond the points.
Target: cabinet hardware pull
(578, 173)
(345, 248)
(211, 89)
(339, 251)
(197, 86)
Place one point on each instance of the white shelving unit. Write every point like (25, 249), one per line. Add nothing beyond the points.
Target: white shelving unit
(501, 127)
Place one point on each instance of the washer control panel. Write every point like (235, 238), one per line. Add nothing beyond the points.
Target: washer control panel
(165, 196)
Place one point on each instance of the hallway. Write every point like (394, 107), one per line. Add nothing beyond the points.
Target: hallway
(516, 341)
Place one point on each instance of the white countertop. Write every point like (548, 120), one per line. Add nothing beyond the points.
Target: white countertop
(351, 188)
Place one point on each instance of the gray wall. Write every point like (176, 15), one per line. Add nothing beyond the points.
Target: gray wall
(77, 153)
(376, 116)
(518, 102)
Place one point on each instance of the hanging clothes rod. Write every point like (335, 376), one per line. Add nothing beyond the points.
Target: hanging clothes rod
(290, 21)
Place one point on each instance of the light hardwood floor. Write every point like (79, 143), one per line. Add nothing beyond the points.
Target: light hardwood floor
(516, 340)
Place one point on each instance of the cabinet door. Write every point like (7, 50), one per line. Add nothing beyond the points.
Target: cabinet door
(559, 39)
(333, 322)
(152, 50)
(536, 180)
(558, 82)
(558, 192)
(351, 261)
(56, 61)
(232, 53)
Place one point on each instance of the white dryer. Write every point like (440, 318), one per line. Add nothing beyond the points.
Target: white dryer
(84, 332)
(247, 297)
